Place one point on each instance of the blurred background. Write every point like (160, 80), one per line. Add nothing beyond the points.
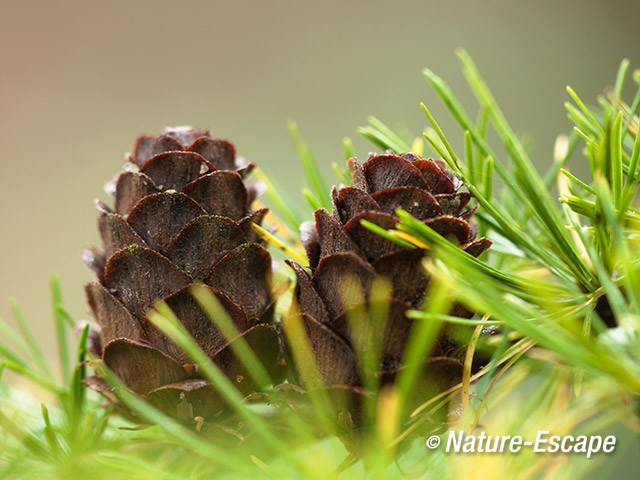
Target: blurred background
(81, 79)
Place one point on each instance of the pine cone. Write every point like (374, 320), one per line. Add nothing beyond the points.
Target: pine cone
(339, 247)
(181, 217)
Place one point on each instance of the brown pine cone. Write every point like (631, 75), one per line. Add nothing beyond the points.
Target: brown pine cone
(181, 217)
(339, 247)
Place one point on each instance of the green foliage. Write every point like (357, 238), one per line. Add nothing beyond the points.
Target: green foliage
(585, 253)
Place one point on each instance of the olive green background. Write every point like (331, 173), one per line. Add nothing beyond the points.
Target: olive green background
(80, 80)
